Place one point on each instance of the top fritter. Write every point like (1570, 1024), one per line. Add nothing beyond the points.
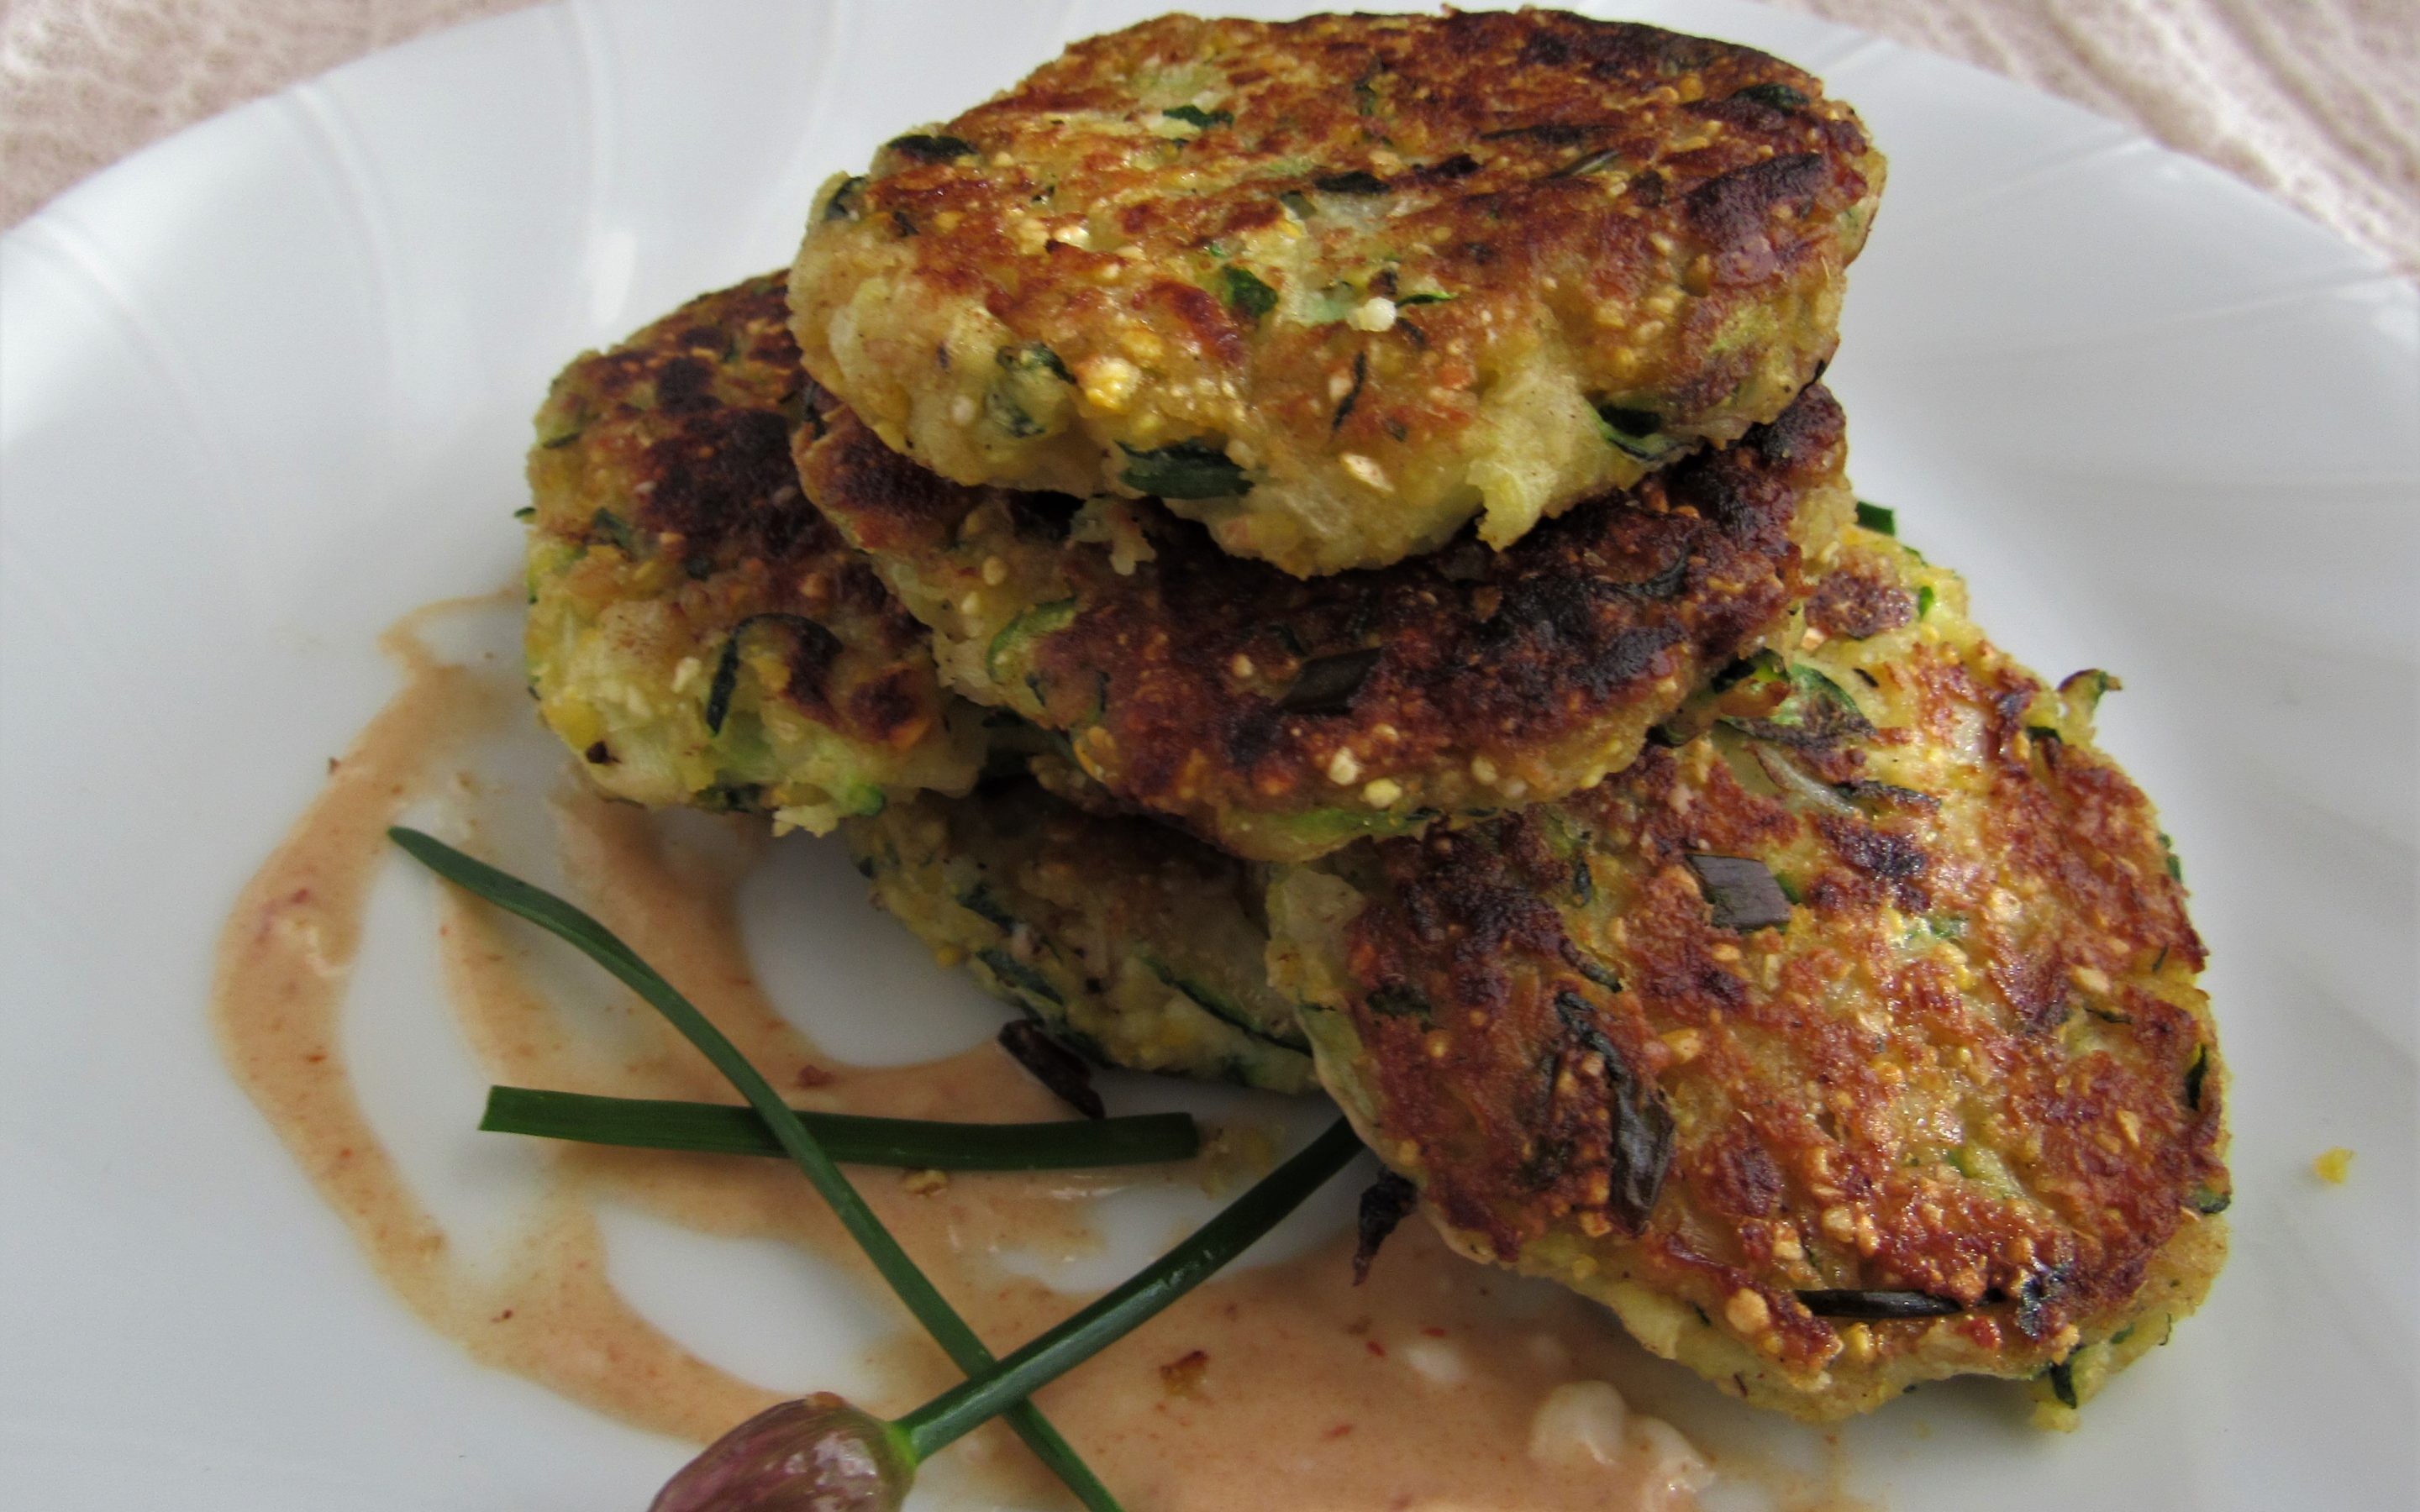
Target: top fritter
(1337, 286)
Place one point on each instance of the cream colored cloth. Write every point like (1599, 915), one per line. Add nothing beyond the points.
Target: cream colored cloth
(2315, 101)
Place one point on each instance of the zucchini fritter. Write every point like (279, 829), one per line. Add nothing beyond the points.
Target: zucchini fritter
(1850, 1046)
(1337, 286)
(1280, 717)
(697, 631)
(1141, 946)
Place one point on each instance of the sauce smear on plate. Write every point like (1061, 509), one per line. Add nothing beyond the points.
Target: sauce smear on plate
(1438, 1384)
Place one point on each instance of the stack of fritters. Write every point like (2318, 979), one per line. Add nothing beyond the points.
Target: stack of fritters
(1363, 485)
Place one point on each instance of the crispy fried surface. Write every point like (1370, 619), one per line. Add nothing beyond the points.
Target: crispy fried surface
(1971, 1062)
(1140, 945)
(668, 522)
(1381, 272)
(1281, 717)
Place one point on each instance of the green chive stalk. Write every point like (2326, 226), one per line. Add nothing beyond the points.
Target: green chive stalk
(911, 1144)
(820, 1454)
(1135, 1300)
(906, 1280)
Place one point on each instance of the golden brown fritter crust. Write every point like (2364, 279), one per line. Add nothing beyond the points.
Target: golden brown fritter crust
(1280, 717)
(669, 523)
(1969, 1063)
(1385, 271)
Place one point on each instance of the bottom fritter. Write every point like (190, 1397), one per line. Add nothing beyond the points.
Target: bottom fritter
(1140, 946)
(1853, 1044)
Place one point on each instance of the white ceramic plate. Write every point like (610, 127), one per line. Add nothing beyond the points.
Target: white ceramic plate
(265, 389)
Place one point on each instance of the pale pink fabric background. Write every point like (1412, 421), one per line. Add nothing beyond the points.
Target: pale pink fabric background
(2315, 101)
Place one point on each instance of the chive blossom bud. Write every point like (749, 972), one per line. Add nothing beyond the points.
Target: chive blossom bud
(815, 1455)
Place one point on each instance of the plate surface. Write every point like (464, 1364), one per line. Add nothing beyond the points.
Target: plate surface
(264, 388)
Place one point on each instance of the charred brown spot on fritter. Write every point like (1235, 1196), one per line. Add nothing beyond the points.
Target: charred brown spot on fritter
(893, 702)
(1859, 604)
(690, 422)
(1891, 865)
(1736, 213)
(890, 504)
(723, 483)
